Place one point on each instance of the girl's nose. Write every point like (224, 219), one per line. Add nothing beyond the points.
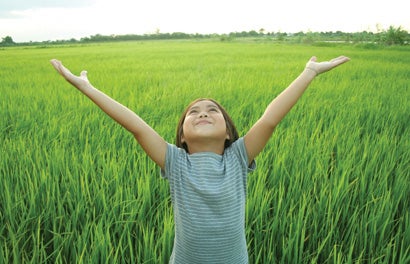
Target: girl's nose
(203, 114)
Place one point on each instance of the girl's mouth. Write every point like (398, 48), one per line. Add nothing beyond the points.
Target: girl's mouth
(203, 122)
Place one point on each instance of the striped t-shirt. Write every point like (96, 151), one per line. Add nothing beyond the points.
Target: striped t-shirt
(208, 193)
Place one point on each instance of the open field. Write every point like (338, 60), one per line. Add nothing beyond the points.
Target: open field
(332, 186)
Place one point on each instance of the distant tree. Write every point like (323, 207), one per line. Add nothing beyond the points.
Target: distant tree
(394, 36)
(281, 36)
(7, 41)
(253, 33)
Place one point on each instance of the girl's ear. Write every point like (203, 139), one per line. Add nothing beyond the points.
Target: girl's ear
(227, 132)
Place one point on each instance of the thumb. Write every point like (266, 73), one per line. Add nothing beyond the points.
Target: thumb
(313, 59)
(83, 75)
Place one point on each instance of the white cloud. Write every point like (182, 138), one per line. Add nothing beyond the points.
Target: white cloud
(6, 6)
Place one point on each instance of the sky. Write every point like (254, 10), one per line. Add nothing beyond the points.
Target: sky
(42, 20)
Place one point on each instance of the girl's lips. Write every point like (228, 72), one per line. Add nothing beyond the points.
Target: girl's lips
(203, 122)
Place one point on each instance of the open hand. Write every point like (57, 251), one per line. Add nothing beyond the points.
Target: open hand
(321, 67)
(77, 81)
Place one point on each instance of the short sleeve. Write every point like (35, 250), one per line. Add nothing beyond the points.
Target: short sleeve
(238, 147)
(170, 157)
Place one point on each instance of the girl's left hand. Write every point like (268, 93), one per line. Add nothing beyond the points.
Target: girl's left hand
(321, 67)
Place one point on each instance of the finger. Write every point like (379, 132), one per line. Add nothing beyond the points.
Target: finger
(56, 64)
(59, 68)
(54, 61)
(313, 59)
(83, 75)
(340, 60)
(63, 71)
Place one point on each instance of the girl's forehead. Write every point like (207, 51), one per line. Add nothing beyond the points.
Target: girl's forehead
(203, 103)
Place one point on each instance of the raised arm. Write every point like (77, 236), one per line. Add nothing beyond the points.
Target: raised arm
(261, 131)
(152, 143)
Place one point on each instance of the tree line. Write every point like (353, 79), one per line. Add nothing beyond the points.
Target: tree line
(391, 36)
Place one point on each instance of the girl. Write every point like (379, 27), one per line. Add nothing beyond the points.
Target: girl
(207, 167)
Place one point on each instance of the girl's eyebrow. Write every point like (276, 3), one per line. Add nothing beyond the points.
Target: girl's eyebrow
(193, 108)
(208, 106)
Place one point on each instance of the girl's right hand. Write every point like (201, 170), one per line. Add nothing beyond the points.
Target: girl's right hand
(77, 81)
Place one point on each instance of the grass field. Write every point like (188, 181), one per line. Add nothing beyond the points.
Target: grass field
(332, 185)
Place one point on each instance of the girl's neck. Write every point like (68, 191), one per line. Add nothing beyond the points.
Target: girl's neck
(206, 146)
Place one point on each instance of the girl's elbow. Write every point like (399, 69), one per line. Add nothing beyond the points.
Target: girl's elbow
(268, 124)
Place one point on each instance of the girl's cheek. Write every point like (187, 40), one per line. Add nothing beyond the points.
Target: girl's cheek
(187, 119)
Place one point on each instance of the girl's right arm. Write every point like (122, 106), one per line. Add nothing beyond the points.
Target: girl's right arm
(259, 134)
(152, 143)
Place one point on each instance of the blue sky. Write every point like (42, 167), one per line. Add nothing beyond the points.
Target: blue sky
(39, 20)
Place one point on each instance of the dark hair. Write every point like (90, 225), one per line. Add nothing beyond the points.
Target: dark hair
(230, 126)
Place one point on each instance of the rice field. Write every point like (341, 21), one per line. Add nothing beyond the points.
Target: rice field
(332, 185)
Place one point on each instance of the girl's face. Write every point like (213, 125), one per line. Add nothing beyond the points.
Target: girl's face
(204, 120)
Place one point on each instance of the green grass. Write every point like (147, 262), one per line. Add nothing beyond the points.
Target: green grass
(332, 185)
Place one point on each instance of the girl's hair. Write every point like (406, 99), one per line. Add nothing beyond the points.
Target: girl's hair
(230, 126)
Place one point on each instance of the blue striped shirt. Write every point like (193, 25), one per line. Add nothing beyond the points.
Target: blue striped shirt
(208, 193)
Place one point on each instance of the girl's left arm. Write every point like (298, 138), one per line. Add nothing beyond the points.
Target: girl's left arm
(261, 131)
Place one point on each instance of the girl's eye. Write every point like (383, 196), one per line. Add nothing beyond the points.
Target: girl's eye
(213, 110)
(193, 112)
